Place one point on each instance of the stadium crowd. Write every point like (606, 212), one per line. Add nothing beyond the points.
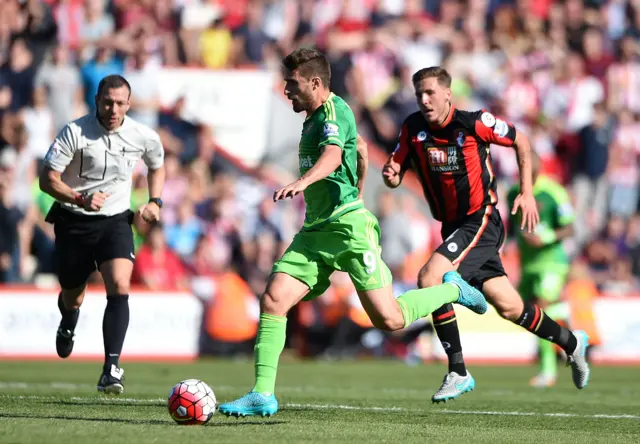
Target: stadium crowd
(566, 72)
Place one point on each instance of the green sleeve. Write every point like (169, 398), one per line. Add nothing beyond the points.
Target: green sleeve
(563, 208)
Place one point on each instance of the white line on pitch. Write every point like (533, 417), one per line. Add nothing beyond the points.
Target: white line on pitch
(116, 400)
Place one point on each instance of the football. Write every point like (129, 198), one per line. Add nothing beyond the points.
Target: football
(191, 402)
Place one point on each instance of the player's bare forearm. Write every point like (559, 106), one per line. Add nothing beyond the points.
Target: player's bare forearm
(329, 161)
(155, 179)
(362, 165)
(51, 183)
(523, 152)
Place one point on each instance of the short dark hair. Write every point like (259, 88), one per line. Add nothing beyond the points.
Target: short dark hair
(309, 63)
(444, 78)
(112, 81)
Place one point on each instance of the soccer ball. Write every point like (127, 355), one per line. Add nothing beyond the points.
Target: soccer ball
(191, 402)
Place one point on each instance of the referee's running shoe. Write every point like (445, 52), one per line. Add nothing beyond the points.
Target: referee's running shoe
(64, 342)
(111, 381)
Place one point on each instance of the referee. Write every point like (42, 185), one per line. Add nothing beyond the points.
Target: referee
(88, 170)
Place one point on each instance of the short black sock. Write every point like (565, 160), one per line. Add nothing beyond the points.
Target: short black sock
(446, 326)
(537, 322)
(114, 328)
(69, 317)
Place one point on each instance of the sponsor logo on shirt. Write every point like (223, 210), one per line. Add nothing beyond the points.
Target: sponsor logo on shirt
(443, 159)
(306, 162)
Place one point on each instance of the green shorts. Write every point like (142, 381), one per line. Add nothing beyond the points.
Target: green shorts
(351, 243)
(546, 285)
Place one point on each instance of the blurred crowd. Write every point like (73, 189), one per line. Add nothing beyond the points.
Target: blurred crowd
(565, 72)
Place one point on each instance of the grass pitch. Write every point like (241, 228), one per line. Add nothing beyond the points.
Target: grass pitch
(369, 401)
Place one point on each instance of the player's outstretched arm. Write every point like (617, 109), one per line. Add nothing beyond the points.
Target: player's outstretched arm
(363, 164)
(525, 200)
(329, 161)
(391, 173)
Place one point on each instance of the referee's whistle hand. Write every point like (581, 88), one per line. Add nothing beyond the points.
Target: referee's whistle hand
(95, 201)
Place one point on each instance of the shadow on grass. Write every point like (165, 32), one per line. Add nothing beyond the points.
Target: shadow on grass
(140, 421)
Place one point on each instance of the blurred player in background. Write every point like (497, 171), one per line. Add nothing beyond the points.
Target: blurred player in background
(544, 264)
(448, 148)
(338, 233)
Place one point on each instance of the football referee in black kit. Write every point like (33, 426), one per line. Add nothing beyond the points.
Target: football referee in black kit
(88, 170)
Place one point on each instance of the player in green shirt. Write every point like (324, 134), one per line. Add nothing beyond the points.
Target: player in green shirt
(544, 265)
(338, 233)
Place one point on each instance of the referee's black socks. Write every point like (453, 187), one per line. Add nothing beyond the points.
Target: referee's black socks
(114, 328)
(69, 317)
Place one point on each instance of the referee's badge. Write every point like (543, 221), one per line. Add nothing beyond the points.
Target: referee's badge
(52, 153)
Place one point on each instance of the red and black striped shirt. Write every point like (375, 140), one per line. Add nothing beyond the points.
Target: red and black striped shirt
(453, 161)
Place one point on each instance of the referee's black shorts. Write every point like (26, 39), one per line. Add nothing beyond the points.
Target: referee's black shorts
(84, 242)
(473, 244)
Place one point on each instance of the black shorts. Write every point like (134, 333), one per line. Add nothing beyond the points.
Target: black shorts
(473, 244)
(83, 243)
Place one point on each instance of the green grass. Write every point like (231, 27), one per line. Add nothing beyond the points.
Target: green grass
(56, 402)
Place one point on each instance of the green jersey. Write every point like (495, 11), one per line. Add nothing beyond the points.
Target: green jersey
(333, 123)
(554, 207)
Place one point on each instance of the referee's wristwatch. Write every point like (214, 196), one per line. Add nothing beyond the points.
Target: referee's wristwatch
(157, 201)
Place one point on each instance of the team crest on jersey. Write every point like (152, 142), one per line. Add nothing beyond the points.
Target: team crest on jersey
(460, 137)
(443, 159)
(308, 129)
(422, 136)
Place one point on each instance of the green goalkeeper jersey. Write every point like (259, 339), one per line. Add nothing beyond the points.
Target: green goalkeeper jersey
(333, 123)
(556, 211)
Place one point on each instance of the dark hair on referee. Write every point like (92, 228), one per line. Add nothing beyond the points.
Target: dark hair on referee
(444, 78)
(113, 81)
(309, 63)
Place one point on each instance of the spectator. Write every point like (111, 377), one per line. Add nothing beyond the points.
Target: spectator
(623, 171)
(38, 122)
(182, 236)
(103, 64)
(10, 217)
(95, 27)
(590, 182)
(395, 238)
(63, 84)
(156, 266)
(19, 73)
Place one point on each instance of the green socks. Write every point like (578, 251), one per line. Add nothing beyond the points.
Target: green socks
(548, 358)
(272, 334)
(416, 304)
